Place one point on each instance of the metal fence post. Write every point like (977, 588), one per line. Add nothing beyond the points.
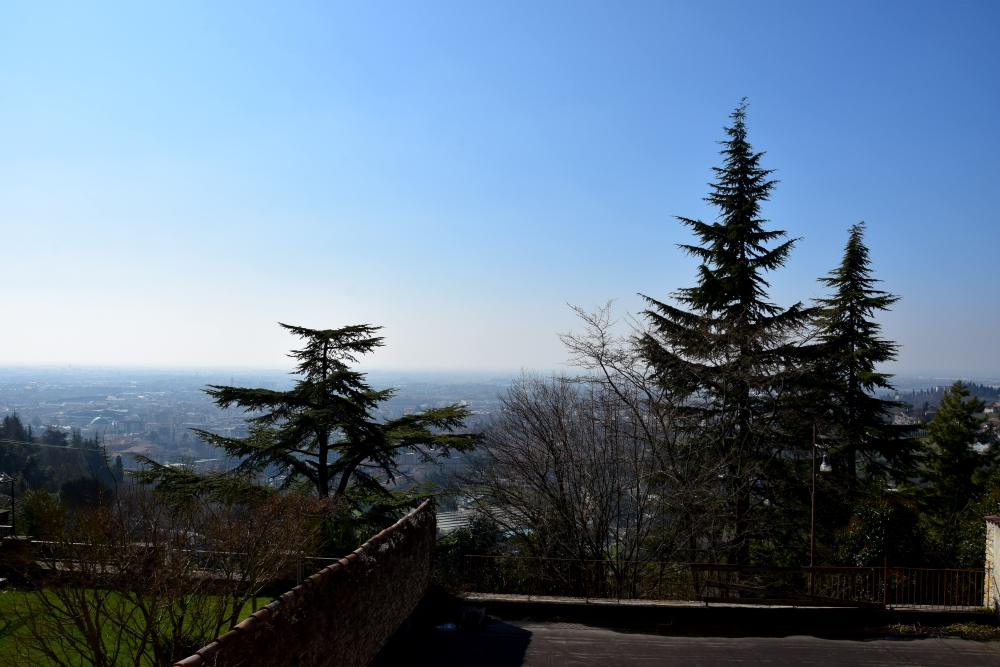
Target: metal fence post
(885, 581)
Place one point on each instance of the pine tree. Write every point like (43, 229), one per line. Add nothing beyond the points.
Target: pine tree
(850, 350)
(725, 346)
(94, 455)
(955, 471)
(118, 470)
(326, 429)
(11, 428)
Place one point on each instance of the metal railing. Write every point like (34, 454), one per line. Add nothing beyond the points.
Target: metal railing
(895, 587)
(914, 587)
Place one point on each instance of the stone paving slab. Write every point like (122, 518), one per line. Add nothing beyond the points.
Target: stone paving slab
(541, 644)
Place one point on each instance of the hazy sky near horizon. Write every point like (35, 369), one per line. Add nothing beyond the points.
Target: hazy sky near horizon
(176, 179)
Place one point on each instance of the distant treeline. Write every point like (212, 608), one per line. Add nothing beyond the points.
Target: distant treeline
(75, 467)
(932, 397)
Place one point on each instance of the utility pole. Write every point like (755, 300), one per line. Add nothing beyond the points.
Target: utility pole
(812, 532)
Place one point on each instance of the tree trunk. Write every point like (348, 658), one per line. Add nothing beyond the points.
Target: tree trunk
(322, 469)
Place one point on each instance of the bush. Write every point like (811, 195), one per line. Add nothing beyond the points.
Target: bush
(883, 528)
(481, 537)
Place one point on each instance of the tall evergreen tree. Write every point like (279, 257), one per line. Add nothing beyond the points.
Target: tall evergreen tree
(19, 456)
(94, 455)
(724, 345)
(12, 428)
(326, 430)
(955, 472)
(54, 437)
(849, 352)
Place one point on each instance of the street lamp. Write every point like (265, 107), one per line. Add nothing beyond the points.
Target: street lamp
(824, 467)
(4, 478)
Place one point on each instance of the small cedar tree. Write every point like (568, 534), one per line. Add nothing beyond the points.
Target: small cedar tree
(326, 430)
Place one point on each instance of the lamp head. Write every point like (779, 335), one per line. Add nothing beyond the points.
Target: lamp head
(825, 465)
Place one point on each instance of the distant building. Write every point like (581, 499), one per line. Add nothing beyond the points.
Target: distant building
(100, 425)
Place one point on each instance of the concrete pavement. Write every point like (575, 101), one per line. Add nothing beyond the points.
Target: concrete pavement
(548, 644)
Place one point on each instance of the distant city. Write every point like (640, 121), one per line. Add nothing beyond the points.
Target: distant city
(152, 412)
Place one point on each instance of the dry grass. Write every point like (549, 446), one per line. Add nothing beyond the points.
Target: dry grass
(974, 631)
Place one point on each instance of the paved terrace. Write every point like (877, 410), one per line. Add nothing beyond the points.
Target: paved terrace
(378, 603)
(552, 644)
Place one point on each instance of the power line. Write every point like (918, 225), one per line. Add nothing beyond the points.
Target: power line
(41, 444)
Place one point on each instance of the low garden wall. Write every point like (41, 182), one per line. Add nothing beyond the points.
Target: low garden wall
(991, 592)
(343, 614)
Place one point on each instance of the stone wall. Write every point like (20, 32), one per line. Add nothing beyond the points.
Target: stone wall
(343, 614)
(991, 590)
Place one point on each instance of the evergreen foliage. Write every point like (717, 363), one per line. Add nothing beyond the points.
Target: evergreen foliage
(326, 430)
(118, 470)
(742, 382)
(850, 350)
(11, 428)
(94, 458)
(19, 457)
(481, 537)
(54, 437)
(885, 528)
(724, 347)
(956, 472)
(179, 485)
(16, 450)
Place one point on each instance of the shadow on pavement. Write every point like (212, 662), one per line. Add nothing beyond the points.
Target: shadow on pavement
(448, 631)
(493, 644)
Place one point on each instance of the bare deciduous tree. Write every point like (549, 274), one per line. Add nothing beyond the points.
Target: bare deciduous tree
(565, 471)
(145, 580)
(687, 468)
(601, 466)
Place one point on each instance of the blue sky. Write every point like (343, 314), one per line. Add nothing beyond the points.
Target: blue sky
(176, 179)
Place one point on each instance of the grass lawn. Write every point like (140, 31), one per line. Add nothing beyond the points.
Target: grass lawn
(7, 598)
(11, 598)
